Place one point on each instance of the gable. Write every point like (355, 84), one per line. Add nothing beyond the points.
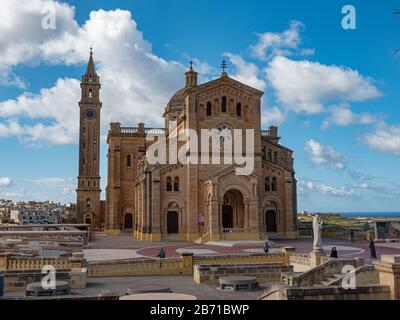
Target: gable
(227, 86)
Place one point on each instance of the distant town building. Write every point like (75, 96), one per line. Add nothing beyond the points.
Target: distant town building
(34, 212)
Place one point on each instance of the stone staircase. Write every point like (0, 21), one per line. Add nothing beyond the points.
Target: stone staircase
(333, 280)
(327, 274)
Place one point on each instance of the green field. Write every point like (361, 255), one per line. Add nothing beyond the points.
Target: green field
(336, 223)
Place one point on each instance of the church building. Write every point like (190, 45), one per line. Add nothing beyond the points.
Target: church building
(187, 201)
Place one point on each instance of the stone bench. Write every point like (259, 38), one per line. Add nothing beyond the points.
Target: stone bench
(36, 289)
(148, 288)
(262, 272)
(238, 283)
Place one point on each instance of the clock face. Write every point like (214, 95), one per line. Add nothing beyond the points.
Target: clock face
(90, 114)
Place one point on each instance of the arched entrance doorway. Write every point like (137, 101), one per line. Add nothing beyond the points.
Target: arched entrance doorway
(172, 222)
(88, 220)
(271, 217)
(233, 215)
(128, 221)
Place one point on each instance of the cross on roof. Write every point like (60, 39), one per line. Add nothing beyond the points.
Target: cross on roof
(223, 66)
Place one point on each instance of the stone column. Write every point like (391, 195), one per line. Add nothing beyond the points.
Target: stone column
(214, 220)
(156, 210)
(77, 261)
(316, 257)
(3, 263)
(187, 263)
(389, 274)
(246, 214)
(253, 217)
(288, 251)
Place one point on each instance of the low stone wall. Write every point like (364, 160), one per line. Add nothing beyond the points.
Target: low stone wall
(263, 272)
(303, 259)
(344, 235)
(134, 267)
(371, 292)
(175, 266)
(239, 259)
(18, 280)
(8, 263)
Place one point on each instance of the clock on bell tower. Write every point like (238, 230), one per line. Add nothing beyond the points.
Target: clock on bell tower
(88, 191)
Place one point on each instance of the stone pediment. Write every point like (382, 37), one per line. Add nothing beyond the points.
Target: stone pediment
(227, 179)
(226, 85)
(229, 171)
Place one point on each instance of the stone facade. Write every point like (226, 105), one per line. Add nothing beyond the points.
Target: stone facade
(201, 201)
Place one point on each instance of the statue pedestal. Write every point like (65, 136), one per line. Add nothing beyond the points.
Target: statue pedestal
(316, 256)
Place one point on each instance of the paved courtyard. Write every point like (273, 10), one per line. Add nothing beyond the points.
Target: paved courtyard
(123, 246)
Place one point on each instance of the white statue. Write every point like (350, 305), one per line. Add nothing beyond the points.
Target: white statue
(317, 228)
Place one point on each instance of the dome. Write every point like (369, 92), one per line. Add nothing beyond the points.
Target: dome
(177, 101)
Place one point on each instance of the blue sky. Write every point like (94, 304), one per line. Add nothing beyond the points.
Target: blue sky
(339, 113)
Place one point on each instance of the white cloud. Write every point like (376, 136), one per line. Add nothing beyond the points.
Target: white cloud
(272, 116)
(342, 115)
(5, 182)
(304, 86)
(322, 155)
(133, 78)
(52, 182)
(271, 44)
(337, 191)
(23, 40)
(305, 187)
(385, 139)
(247, 73)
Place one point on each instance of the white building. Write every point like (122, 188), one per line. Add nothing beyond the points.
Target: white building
(24, 217)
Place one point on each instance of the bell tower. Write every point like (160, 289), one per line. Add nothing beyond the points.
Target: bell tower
(88, 191)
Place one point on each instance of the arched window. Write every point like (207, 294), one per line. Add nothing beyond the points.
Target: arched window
(88, 203)
(223, 104)
(176, 184)
(239, 109)
(269, 155)
(267, 184)
(88, 183)
(275, 157)
(90, 93)
(274, 186)
(90, 78)
(209, 109)
(129, 161)
(169, 184)
(264, 153)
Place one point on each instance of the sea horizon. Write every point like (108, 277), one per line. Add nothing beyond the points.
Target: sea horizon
(371, 214)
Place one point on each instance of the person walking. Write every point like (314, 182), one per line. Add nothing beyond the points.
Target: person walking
(266, 248)
(351, 235)
(372, 249)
